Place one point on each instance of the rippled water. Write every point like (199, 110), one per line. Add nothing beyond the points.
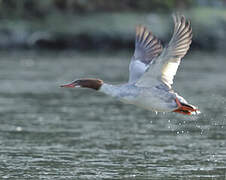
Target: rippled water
(47, 132)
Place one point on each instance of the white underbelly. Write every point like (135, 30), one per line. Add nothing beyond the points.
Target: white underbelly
(153, 103)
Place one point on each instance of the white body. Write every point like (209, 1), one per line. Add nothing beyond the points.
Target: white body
(150, 98)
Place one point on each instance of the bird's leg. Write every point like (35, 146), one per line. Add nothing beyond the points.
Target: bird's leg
(184, 108)
(182, 112)
(178, 103)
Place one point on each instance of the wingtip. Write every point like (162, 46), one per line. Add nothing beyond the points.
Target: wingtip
(180, 18)
(140, 29)
(176, 16)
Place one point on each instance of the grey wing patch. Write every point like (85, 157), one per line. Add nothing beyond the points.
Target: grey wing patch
(136, 69)
(147, 46)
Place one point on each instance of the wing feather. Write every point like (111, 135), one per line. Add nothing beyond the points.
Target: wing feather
(165, 66)
(147, 47)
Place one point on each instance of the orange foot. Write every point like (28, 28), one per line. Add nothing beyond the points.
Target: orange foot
(184, 108)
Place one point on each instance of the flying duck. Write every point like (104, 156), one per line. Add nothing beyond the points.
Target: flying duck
(151, 72)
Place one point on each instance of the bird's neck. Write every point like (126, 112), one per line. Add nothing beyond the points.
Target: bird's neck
(109, 89)
(99, 85)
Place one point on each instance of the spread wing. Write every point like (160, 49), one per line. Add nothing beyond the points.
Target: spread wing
(147, 47)
(165, 66)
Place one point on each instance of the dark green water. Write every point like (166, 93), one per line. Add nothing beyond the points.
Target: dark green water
(47, 132)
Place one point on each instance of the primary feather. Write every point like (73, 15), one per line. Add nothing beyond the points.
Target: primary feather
(147, 47)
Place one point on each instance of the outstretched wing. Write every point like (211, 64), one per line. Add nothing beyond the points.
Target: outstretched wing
(147, 47)
(165, 66)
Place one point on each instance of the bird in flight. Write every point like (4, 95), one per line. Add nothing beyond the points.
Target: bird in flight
(151, 72)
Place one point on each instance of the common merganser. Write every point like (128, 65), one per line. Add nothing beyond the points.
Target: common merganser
(151, 72)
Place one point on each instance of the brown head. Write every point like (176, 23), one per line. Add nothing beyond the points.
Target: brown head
(85, 83)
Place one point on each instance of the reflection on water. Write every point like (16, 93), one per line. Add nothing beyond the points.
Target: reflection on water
(48, 132)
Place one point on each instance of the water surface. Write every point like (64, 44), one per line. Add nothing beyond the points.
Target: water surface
(49, 132)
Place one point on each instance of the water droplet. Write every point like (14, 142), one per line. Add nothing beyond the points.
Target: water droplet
(18, 128)
(5, 177)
